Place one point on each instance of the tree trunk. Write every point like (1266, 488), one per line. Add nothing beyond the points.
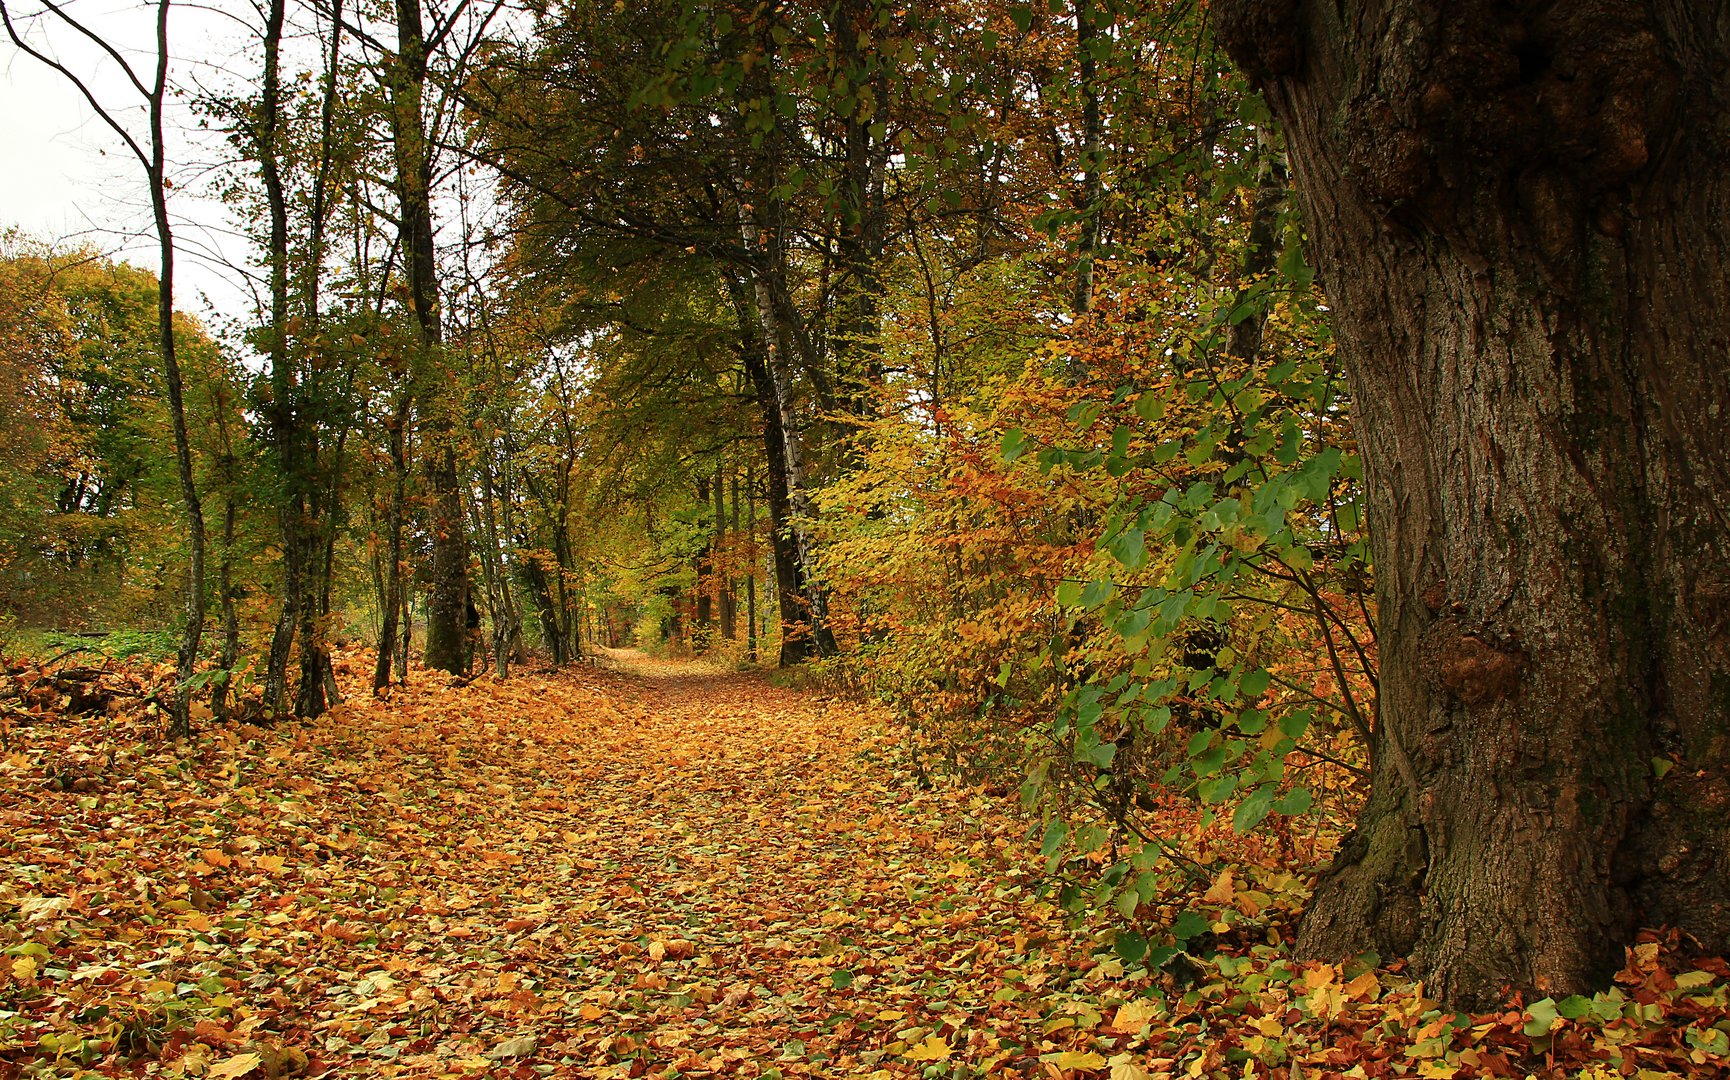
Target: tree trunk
(395, 598)
(282, 412)
(726, 601)
(796, 647)
(534, 575)
(751, 574)
(1519, 217)
(447, 641)
(190, 505)
(228, 592)
(705, 606)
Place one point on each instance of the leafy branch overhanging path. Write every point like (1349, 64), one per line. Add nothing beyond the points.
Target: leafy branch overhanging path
(656, 871)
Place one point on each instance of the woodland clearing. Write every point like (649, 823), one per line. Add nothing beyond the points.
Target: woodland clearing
(662, 869)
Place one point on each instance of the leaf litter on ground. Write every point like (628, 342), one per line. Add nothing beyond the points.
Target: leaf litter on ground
(663, 870)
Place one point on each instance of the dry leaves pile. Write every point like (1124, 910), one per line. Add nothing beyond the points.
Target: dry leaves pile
(665, 872)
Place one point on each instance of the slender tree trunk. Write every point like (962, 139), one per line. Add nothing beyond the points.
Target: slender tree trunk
(705, 598)
(498, 575)
(806, 635)
(395, 600)
(796, 646)
(194, 510)
(728, 602)
(751, 574)
(570, 625)
(230, 658)
(407, 644)
(447, 641)
(534, 574)
(152, 158)
(1519, 216)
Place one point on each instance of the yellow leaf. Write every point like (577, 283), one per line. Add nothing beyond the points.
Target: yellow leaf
(1363, 988)
(1222, 889)
(1132, 1015)
(24, 967)
(1076, 1059)
(1125, 1070)
(891, 1014)
(270, 864)
(1437, 1070)
(236, 1066)
(932, 1049)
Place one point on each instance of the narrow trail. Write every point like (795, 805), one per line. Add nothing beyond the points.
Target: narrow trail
(651, 869)
(660, 870)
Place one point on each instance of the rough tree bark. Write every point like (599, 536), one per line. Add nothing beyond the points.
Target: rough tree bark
(1522, 215)
(447, 643)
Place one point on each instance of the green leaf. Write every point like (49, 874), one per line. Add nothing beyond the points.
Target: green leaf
(1209, 763)
(1022, 16)
(1102, 754)
(1296, 722)
(1131, 946)
(1254, 683)
(840, 979)
(1150, 406)
(1253, 809)
(1014, 444)
(1217, 790)
(1056, 831)
(1189, 925)
(1251, 721)
(1096, 593)
(1126, 903)
(1540, 1017)
(1296, 801)
(1574, 1007)
(1130, 548)
(1292, 266)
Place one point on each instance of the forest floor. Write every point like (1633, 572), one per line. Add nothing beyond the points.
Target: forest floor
(656, 869)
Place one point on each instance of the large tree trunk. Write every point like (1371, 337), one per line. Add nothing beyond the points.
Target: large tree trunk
(1522, 216)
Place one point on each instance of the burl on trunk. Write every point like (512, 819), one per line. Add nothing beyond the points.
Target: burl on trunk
(1521, 213)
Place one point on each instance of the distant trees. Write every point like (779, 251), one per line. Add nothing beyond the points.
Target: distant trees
(87, 506)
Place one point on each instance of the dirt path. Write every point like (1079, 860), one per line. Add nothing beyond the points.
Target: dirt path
(652, 870)
(660, 870)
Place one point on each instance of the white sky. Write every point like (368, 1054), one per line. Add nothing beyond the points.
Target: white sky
(65, 176)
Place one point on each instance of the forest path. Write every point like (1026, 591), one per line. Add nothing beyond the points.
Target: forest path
(649, 869)
(642, 868)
